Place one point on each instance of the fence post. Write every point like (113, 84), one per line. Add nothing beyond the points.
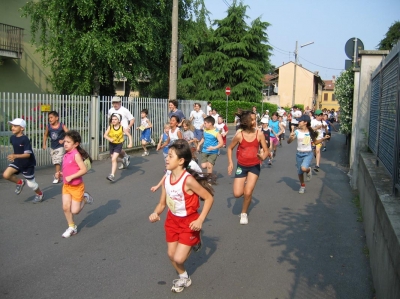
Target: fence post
(94, 127)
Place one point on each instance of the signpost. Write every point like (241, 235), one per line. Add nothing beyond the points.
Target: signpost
(227, 92)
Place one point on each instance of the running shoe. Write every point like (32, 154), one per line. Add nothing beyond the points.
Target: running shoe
(110, 178)
(179, 284)
(70, 231)
(38, 198)
(198, 246)
(302, 189)
(316, 168)
(122, 166)
(309, 175)
(88, 198)
(55, 180)
(324, 149)
(127, 160)
(243, 218)
(145, 154)
(152, 142)
(269, 162)
(19, 187)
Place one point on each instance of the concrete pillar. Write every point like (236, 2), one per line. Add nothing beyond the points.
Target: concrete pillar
(362, 99)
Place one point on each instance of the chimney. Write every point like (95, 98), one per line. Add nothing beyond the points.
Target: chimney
(333, 79)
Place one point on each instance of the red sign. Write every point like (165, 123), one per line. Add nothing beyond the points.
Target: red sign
(227, 90)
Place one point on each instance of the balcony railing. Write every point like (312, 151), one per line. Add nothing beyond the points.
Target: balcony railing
(11, 41)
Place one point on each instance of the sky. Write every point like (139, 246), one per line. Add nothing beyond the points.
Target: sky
(329, 24)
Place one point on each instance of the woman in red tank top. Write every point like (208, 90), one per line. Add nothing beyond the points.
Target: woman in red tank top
(248, 167)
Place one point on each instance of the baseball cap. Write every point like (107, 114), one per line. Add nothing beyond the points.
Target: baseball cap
(305, 118)
(318, 112)
(267, 110)
(264, 120)
(18, 122)
(116, 99)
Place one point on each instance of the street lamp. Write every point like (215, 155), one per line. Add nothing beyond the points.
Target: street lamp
(295, 67)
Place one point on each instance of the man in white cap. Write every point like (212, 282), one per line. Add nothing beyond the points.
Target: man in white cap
(126, 116)
(22, 161)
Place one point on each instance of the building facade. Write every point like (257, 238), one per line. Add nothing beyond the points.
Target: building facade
(328, 99)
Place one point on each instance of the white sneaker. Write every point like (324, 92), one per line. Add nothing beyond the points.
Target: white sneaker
(309, 175)
(88, 198)
(122, 166)
(145, 154)
(55, 181)
(243, 218)
(152, 142)
(70, 232)
(179, 284)
(302, 189)
(127, 160)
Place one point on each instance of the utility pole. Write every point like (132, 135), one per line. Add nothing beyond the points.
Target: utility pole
(173, 65)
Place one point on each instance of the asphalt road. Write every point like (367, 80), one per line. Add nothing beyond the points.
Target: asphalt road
(295, 245)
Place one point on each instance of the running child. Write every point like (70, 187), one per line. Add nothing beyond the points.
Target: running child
(145, 125)
(282, 126)
(266, 130)
(223, 129)
(163, 138)
(174, 133)
(22, 161)
(305, 135)
(74, 196)
(115, 135)
(56, 130)
(328, 130)
(248, 160)
(275, 133)
(181, 191)
(212, 140)
(188, 135)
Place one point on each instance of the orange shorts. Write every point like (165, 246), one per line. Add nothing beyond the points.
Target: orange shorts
(76, 191)
(177, 229)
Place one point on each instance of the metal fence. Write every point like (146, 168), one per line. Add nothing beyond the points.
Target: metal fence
(384, 131)
(86, 114)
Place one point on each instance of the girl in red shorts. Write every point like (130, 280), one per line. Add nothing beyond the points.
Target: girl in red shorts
(181, 192)
(248, 160)
(74, 196)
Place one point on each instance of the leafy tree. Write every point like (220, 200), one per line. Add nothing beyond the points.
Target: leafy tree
(86, 43)
(234, 54)
(391, 38)
(344, 90)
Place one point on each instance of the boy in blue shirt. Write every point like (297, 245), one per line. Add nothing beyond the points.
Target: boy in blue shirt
(56, 131)
(212, 140)
(22, 161)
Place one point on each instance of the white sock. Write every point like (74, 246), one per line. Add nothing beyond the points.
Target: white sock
(184, 275)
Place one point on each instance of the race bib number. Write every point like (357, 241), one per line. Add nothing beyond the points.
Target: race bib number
(171, 204)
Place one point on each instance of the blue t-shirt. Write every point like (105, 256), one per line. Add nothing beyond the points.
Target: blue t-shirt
(56, 135)
(274, 125)
(210, 139)
(178, 113)
(22, 145)
(164, 138)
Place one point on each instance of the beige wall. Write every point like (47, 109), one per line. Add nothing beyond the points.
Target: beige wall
(304, 85)
(26, 75)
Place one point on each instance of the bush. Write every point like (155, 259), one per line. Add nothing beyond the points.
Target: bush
(344, 90)
(220, 106)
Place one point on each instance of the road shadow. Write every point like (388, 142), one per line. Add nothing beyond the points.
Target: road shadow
(290, 182)
(237, 203)
(197, 259)
(49, 192)
(99, 214)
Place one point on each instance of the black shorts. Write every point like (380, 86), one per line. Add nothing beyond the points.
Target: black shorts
(27, 172)
(242, 171)
(115, 148)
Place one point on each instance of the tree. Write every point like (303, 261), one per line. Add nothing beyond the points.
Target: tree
(391, 37)
(234, 54)
(87, 43)
(344, 91)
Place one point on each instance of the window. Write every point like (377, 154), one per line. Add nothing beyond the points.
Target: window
(333, 97)
(325, 96)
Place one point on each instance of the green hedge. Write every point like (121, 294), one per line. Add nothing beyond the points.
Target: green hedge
(220, 106)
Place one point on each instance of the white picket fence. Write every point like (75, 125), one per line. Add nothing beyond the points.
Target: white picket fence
(86, 114)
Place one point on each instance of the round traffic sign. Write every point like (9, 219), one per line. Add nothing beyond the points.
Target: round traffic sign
(227, 90)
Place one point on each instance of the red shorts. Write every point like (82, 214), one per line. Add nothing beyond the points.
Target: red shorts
(177, 229)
